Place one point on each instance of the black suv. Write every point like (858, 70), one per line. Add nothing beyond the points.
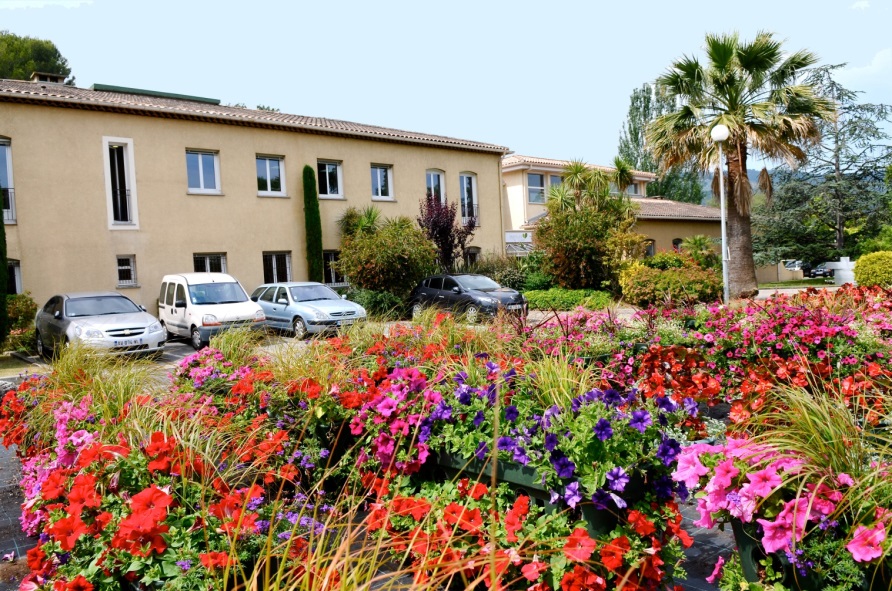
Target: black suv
(473, 295)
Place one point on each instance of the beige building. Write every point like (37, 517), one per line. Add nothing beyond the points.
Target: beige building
(526, 181)
(112, 188)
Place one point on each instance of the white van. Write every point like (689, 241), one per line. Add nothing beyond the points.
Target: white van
(199, 305)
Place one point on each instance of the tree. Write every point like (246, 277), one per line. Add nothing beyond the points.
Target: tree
(359, 221)
(677, 183)
(4, 282)
(313, 225)
(438, 221)
(21, 56)
(587, 235)
(760, 94)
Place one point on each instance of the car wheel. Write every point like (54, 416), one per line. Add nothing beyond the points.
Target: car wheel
(197, 343)
(41, 348)
(472, 314)
(417, 310)
(299, 328)
(169, 334)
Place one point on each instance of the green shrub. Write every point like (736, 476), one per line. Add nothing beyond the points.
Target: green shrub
(380, 304)
(665, 260)
(313, 226)
(558, 298)
(537, 281)
(874, 269)
(646, 286)
(21, 309)
(599, 300)
(504, 270)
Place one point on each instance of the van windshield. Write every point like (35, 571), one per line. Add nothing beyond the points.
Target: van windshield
(217, 293)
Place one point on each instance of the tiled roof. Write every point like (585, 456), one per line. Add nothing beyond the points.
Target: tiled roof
(657, 209)
(518, 160)
(58, 95)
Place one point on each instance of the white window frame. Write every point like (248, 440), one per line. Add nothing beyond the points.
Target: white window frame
(14, 267)
(131, 264)
(329, 257)
(9, 216)
(267, 158)
(463, 179)
(130, 173)
(206, 256)
(201, 173)
(339, 167)
(427, 178)
(632, 189)
(552, 182)
(387, 170)
(272, 256)
(542, 187)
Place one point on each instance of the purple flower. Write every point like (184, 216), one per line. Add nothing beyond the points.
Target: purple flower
(520, 456)
(617, 479)
(323, 453)
(664, 487)
(691, 406)
(506, 444)
(442, 412)
(255, 503)
(463, 393)
(482, 450)
(461, 377)
(640, 420)
(478, 418)
(284, 535)
(260, 527)
(668, 450)
(612, 397)
(603, 430)
(562, 464)
(572, 495)
(185, 564)
(602, 499)
(511, 413)
(666, 404)
(481, 355)
(551, 441)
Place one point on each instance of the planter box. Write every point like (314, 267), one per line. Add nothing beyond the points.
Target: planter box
(524, 480)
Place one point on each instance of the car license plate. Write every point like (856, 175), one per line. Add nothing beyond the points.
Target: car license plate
(515, 306)
(128, 342)
(346, 322)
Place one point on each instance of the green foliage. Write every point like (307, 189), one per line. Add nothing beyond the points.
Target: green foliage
(874, 269)
(537, 281)
(381, 304)
(20, 56)
(561, 299)
(504, 270)
(664, 260)
(701, 249)
(648, 286)
(21, 309)
(313, 223)
(359, 221)
(393, 259)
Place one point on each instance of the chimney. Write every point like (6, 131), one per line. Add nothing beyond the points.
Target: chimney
(46, 77)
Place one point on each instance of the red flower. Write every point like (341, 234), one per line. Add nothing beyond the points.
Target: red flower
(36, 559)
(244, 385)
(308, 386)
(140, 542)
(79, 583)
(533, 570)
(83, 493)
(153, 501)
(67, 530)
(582, 579)
(212, 560)
(642, 525)
(515, 515)
(613, 552)
(467, 520)
(54, 485)
(579, 546)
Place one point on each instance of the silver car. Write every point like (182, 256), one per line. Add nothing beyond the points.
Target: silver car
(104, 320)
(305, 307)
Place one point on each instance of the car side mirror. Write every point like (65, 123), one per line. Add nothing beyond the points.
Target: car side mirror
(57, 314)
(253, 298)
(179, 304)
(343, 296)
(282, 301)
(456, 289)
(143, 308)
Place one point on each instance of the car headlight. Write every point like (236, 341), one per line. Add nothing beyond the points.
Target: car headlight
(155, 327)
(318, 314)
(209, 320)
(489, 301)
(259, 316)
(90, 333)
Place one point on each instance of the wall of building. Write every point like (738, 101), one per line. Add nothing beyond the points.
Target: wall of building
(663, 232)
(63, 239)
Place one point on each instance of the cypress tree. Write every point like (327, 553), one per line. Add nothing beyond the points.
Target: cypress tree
(313, 222)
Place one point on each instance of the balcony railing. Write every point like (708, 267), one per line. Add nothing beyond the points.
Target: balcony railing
(8, 205)
(470, 215)
(121, 206)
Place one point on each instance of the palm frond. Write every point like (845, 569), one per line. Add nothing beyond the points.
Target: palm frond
(765, 185)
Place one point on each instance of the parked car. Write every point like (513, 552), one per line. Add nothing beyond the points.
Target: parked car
(305, 307)
(821, 270)
(473, 295)
(199, 305)
(100, 319)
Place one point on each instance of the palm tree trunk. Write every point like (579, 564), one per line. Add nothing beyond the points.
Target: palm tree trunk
(741, 269)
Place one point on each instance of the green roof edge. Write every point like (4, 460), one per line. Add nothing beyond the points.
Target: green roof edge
(170, 95)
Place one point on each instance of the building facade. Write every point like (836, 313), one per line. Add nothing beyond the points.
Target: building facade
(112, 188)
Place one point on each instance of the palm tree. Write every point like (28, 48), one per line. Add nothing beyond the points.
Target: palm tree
(622, 174)
(757, 91)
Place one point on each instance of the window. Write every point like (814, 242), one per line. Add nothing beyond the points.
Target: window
(536, 187)
(119, 183)
(632, 189)
(382, 182)
(555, 180)
(649, 248)
(270, 176)
(332, 277)
(209, 263)
(676, 244)
(127, 270)
(13, 276)
(203, 172)
(276, 267)
(471, 255)
(330, 179)
(449, 284)
(8, 193)
(435, 185)
(468, 186)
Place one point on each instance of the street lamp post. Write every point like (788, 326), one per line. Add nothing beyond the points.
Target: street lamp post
(719, 134)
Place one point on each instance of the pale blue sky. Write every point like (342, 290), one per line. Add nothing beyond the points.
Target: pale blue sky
(549, 79)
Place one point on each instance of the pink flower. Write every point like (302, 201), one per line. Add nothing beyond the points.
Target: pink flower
(866, 543)
(689, 469)
(705, 520)
(386, 406)
(724, 472)
(763, 482)
(777, 535)
(716, 571)
(844, 478)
